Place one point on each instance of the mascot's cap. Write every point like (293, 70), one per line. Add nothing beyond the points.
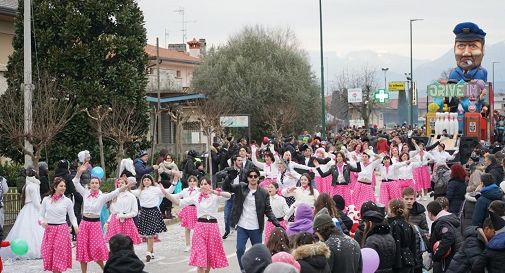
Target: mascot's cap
(468, 31)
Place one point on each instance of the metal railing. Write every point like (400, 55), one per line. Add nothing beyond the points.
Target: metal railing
(12, 205)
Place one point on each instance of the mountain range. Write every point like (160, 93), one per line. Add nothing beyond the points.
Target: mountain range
(425, 71)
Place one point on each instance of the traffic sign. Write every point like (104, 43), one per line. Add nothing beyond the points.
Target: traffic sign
(354, 95)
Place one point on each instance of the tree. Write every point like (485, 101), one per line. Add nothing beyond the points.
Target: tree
(260, 68)
(366, 79)
(279, 119)
(339, 107)
(52, 109)
(95, 51)
(96, 118)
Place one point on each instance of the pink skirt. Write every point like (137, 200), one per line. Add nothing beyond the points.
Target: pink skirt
(422, 178)
(405, 183)
(344, 191)
(269, 227)
(127, 228)
(354, 179)
(323, 184)
(188, 217)
(363, 192)
(56, 248)
(389, 191)
(207, 249)
(91, 243)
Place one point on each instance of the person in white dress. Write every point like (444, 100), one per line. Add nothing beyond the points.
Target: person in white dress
(26, 226)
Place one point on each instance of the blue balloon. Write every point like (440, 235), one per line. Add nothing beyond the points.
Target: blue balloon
(439, 101)
(97, 172)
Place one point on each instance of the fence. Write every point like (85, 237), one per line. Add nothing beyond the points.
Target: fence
(12, 206)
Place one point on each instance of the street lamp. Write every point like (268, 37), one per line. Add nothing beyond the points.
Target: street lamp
(385, 70)
(323, 102)
(412, 76)
(493, 74)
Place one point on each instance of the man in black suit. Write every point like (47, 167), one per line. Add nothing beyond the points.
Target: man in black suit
(251, 205)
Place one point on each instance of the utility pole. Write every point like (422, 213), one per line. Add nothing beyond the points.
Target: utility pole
(385, 70)
(27, 83)
(413, 97)
(323, 102)
(158, 110)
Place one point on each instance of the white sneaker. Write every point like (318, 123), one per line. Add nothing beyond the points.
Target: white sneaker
(187, 248)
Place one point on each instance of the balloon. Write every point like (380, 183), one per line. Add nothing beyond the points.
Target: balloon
(97, 172)
(19, 247)
(439, 101)
(371, 260)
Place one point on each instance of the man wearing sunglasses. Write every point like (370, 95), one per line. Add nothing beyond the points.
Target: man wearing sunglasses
(250, 207)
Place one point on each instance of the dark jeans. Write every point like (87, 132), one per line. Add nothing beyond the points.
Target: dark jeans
(166, 207)
(228, 206)
(242, 236)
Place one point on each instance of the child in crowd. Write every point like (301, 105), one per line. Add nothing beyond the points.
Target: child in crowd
(122, 258)
(404, 235)
(304, 194)
(279, 208)
(278, 241)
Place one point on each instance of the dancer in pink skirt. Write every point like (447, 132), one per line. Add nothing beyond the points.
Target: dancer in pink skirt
(91, 246)
(323, 183)
(390, 187)
(207, 251)
(56, 245)
(406, 170)
(422, 174)
(123, 208)
(187, 215)
(303, 194)
(363, 190)
(340, 175)
(269, 167)
(279, 207)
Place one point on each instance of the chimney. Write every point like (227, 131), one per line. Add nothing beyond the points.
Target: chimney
(177, 47)
(194, 48)
(203, 47)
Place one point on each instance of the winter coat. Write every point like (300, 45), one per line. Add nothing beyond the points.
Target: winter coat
(417, 216)
(493, 257)
(381, 240)
(474, 180)
(405, 238)
(473, 245)
(70, 191)
(496, 170)
(345, 254)
(445, 229)
(124, 261)
(456, 190)
(313, 258)
(467, 211)
(346, 220)
(303, 220)
(44, 183)
(487, 195)
(141, 169)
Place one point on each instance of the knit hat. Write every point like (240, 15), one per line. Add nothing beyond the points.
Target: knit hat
(280, 268)
(322, 219)
(256, 259)
(284, 257)
(339, 201)
(142, 153)
(368, 205)
(487, 179)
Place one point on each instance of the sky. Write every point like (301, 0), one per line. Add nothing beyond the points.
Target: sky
(377, 25)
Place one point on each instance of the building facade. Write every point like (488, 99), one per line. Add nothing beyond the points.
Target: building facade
(8, 10)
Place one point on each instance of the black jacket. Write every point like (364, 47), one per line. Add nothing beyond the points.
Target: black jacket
(470, 251)
(313, 258)
(405, 238)
(496, 170)
(347, 169)
(345, 254)
(124, 261)
(417, 216)
(44, 183)
(262, 200)
(456, 190)
(381, 240)
(467, 212)
(487, 195)
(221, 175)
(65, 174)
(445, 229)
(493, 257)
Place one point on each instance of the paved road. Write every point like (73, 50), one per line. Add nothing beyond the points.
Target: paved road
(169, 256)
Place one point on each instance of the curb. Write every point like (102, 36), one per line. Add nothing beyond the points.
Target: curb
(175, 220)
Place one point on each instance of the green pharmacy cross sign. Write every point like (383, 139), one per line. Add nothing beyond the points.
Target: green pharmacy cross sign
(381, 95)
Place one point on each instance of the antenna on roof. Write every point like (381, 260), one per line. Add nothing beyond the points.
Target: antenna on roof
(184, 23)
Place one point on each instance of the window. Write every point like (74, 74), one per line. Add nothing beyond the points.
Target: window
(191, 133)
(178, 74)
